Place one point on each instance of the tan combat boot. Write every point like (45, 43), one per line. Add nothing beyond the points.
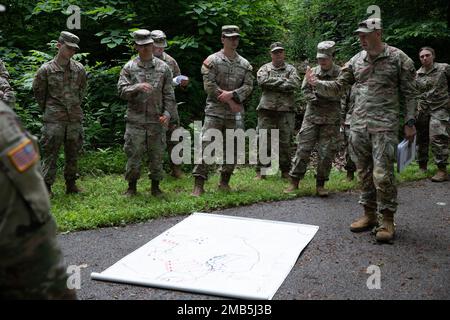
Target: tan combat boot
(198, 187)
(131, 191)
(71, 187)
(224, 182)
(386, 232)
(156, 191)
(440, 176)
(365, 222)
(293, 185)
(320, 189)
(177, 173)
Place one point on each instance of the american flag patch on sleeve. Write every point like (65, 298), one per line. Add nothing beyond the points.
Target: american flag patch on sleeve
(23, 156)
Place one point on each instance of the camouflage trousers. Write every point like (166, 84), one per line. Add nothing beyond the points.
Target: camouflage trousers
(326, 136)
(32, 267)
(54, 135)
(433, 128)
(374, 155)
(285, 123)
(349, 164)
(139, 140)
(202, 170)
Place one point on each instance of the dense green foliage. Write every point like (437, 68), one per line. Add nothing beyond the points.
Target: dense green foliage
(28, 37)
(30, 28)
(408, 25)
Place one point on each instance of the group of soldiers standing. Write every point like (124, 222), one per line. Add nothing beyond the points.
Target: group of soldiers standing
(362, 99)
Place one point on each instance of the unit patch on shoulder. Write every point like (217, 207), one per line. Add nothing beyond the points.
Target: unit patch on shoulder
(208, 62)
(23, 156)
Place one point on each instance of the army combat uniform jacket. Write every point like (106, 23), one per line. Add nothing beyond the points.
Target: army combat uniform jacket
(278, 85)
(322, 109)
(59, 91)
(434, 87)
(172, 63)
(146, 107)
(6, 92)
(377, 87)
(219, 72)
(3, 72)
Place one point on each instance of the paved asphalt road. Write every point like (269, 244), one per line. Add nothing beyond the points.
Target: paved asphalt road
(333, 265)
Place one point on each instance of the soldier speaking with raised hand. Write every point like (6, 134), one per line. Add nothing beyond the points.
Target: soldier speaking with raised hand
(59, 88)
(320, 124)
(146, 83)
(381, 74)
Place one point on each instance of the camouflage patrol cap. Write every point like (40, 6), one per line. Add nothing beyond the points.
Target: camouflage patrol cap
(276, 46)
(142, 36)
(370, 25)
(230, 31)
(325, 49)
(69, 39)
(159, 38)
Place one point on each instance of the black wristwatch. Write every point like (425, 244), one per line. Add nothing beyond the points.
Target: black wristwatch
(411, 123)
(236, 97)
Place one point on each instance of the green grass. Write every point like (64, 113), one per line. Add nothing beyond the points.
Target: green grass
(102, 203)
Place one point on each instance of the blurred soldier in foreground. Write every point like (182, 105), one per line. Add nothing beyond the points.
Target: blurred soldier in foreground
(59, 88)
(159, 44)
(146, 83)
(278, 81)
(433, 80)
(228, 82)
(30, 259)
(320, 124)
(381, 74)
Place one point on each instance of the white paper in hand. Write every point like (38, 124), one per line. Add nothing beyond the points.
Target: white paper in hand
(405, 154)
(177, 80)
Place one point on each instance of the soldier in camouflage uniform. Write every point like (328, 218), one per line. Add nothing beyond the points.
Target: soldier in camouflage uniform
(381, 74)
(320, 124)
(433, 112)
(159, 43)
(59, 88)
(6, 92)
(146, 83)
(228, 82)
(3, 72)
(30, 259)
(347, 105)
(278, 81)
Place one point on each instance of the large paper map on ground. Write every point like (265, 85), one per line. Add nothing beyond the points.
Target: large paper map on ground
(218, 255)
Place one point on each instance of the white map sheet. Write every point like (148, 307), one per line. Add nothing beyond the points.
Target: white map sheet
(214, 254)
